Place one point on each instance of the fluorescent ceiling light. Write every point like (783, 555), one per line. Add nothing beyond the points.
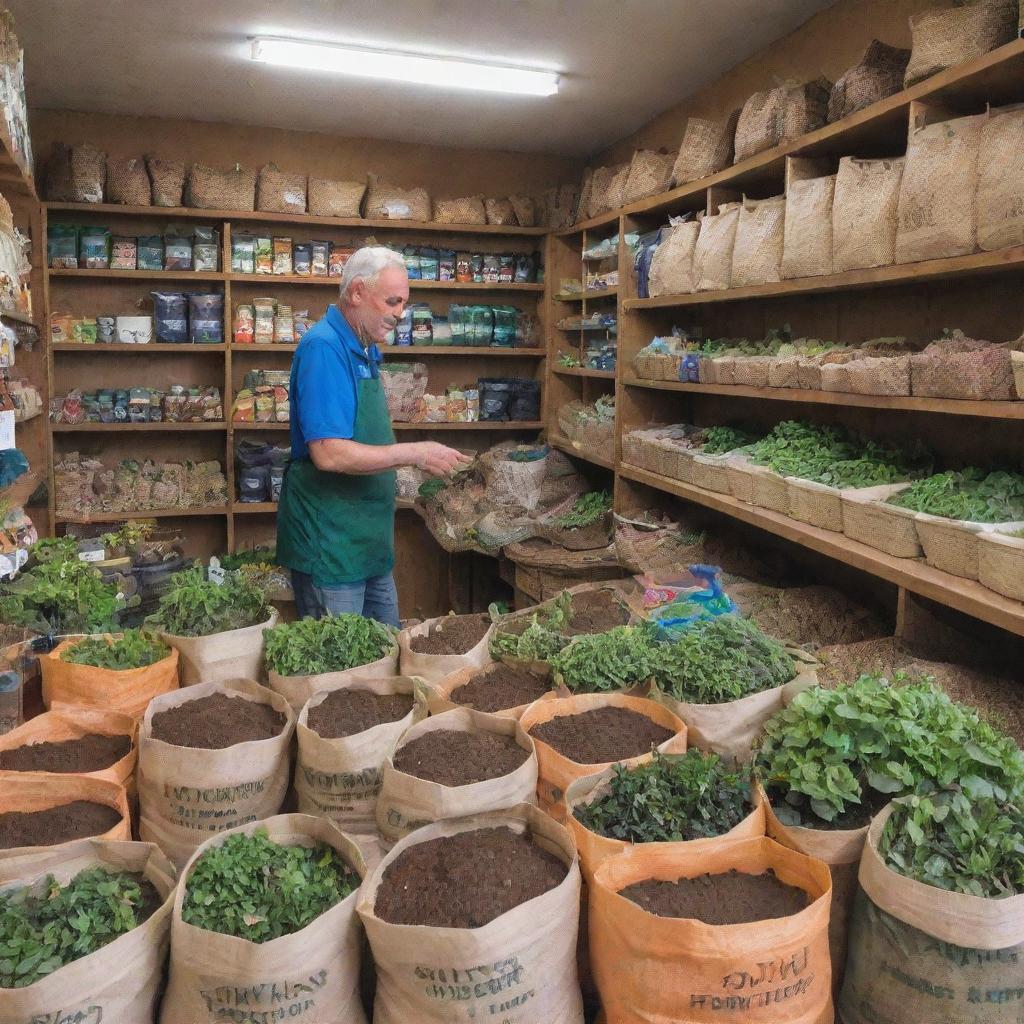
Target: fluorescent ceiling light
(405, 67)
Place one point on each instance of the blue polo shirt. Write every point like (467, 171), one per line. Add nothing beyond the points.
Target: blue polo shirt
(326, 370)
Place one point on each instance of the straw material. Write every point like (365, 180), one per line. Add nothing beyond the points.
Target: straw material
(769, 490)
(707, 148)
(523, 208)
(878, 74)
(1017, 363)
(870, 519)
(499, 211)
(710, 472)
(953, 544)
(999, 202)
(167, 178)
(616, 195)
(739, 473)
(752, 371)
(76, 174)
(210, 189)
(330, 198)
(758, 126)
(865, 213)
(807, 239)
(672, 268)
(468, 210)
(278, 192)
(127, 181)
(1001, 564)
(803, 108)
(597, 200)
(815, 504)
(784, 371)
(757, 252)
(389, 202)
(650, 173)
(712, 257)
(963, 368)
(652, 550)
(877, 375)
(656, 366)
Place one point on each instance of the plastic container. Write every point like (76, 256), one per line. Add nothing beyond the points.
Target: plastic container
(134, 330)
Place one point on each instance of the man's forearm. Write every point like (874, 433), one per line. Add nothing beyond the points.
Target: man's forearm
(335, 455)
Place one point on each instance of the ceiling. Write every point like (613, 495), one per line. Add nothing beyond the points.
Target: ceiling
(623, 62)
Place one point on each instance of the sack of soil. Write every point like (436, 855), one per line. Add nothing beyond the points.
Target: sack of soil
(221, 762)
(494, 688)
(70, 740)
(167, 178)
(707, 148)
(39, 811)
(957, 32)
(127, 181)
(878, 74)
(940, 178)
(279, 192)
(128, 690)
(650, 172)
(454, 764)
(673, 265)
(330, 198)
(921, 953)
(712, 256)
(500, 890)
(309, 655)
(295, 955)
(757, 250)
(807, 239)
(346, 732)
(999, 201)
(577, 736)
(209, 189)
(75, 174)
(865, 213)
(736, 927)
(113, 975)
(388, 202)
(438, 647)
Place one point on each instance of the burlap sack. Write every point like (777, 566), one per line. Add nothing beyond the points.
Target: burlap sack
(757, 251)
(807, 240)
(330, 198)
(999, 201)
(840, 851)
(340, 778)
(865, 213)
(599, 182)
(878, 74)
(940, 178)
(580, 212)
(121, 981)
(57, 181)
(525, 213)
(167, 178)
(758, 127)
(433, 667)
(803, 108)
(76, 174)
(500, 212)
(957, 32)
(407, 803)
(185, 793)
(651, 968)
(616, 195)
(523, 961)
(297, 690)
(707, 148)
(128, 691)
(672, 266)
(389, 202)
(209, 189)
(650, 172)
(311, 974)
(127, 181)
(67, 722)
(280, 192)
(237, 653)
(469, 210)
(712, 256)
(438, 695)
(919, 953)
(514, 483)
(731, 730)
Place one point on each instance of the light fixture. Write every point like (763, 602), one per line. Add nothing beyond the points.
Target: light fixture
(405, 67)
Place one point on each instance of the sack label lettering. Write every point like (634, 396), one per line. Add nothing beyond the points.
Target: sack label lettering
(264, 1003)
(82, 1015)
(922, 985)
(755, 1001)
(217, 794)
(361, 784)
(460, 984)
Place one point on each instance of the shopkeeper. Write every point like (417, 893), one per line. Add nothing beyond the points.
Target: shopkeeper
(336, 519)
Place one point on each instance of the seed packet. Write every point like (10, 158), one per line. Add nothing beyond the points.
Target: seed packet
(205, 248)
(446, 265)
(464, 268)
(94, 249)
(62, 247)
(506, 269)
(429, 264)
(170, 317)
(491, 269)
(302, 323)
(177, 252)
(124, 254)
(338, 258)
(150, 252)
(411, 255)
(302, 259)
(243, 254)
(476, 263)
(524, 269)
(320, 259)
(244, 324)
(282, 256)
(264, 255)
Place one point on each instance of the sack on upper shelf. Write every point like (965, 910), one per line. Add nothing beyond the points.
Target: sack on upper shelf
(167, 179)
(279, 192)
(999, 201)
(76, 174)
(388, 202)
(757, 251)
(330, 198)
(712, 258)
(468, 210)
(127, 181)
(878, 74)
(650, 172)
(707, 148)
(210, 189)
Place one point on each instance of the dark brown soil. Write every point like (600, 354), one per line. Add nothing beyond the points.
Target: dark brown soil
(216, 722)
(347, 712)
(602, 735)
(732, 898)
(90, 753)
(454, 758)
(501, 687)
(595, 611)
(466, 881)
(77, 820)
(454, 634)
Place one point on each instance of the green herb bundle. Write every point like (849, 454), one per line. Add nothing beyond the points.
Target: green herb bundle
(719, 440)
(720, 660)
(46, 926)
(672, 798)
(836, 755)
(257, 556)
(256, 889)
(135, 648)
(607, 662)
(335, 643)
(589, 509)
(536, 643)
(970, 494)
(975, 847)
(195, 606)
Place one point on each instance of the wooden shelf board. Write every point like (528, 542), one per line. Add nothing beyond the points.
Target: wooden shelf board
(260, 349)
(485, 425)
(15, 174)
(333, 282)
(570, 449)
(602, 293)
(903, 273)
(912, 574)
(600, 221)
(584, 371)
(948, 406)
(253, 507)
(164, 428)
(139, 275)
(167, 513)
(137, 350)
(184, 212)
(260, 426)
(495, 351)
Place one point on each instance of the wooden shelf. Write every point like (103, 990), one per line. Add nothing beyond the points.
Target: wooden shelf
(188, 213)
(139, 275)
(138, 350)
(602, 293)
(253, 348)
(260, 426)
(571, 449)
(912, 574)
(333, 282)
(167, 513)
(253, 507)
(953, 407)
(485, 425)
(493, 351)
(583, 371)
(14, 174)
(158, 428)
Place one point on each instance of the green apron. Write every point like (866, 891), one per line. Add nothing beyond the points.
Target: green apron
(335, 527)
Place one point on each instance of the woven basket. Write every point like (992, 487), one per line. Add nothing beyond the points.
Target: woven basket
(278, 192)
(784, 372)
(634, 448)
(657, 366)
(710, 472)
(596, 438)
(641, 549)
(725, 369)
(741, 478)
(877, 375)
(673, 461)
(210, 189)
(650, 173)
(871, 520)
(128, 182)
(706, 370)
(330, 198)
(815, 504)
(528, 581)
(615, 196)
(707, 148)
(168, 180)
(878, 74)
(952, 545)
(468, 210)
(751, 371)
(1001, 564)
(769, 490)
(388, 202)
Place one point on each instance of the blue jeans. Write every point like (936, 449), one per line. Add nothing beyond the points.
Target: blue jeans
(376, 598)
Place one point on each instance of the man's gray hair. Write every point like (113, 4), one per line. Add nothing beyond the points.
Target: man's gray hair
(366, 264)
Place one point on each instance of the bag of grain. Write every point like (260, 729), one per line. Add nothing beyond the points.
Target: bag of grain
(523, 207)
(712, 256)
(599, 182)
(807, 240)
(707, 148)
(757, 251)
(500, 212)
(999, 203)
(389, 202)
(616, 195)
(672, 266)
(865, 213)
(235, 652)
(167, 178)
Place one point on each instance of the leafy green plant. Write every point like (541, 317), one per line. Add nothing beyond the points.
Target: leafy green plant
(535, 643)
(51, 549)
(607, 662)
(672, 798)
(257, 556)
(972, 494)
(975, 847)
(722, 659)
(129, 536)
(718, 440)
(135, 648)
(256, 889)
(334, 643)
(589, 509)
(431, 488)
(195, 606)
(569, 360)
(832, 755)
(46, 926)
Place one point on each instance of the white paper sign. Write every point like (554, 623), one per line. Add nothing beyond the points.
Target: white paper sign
(6, 429)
